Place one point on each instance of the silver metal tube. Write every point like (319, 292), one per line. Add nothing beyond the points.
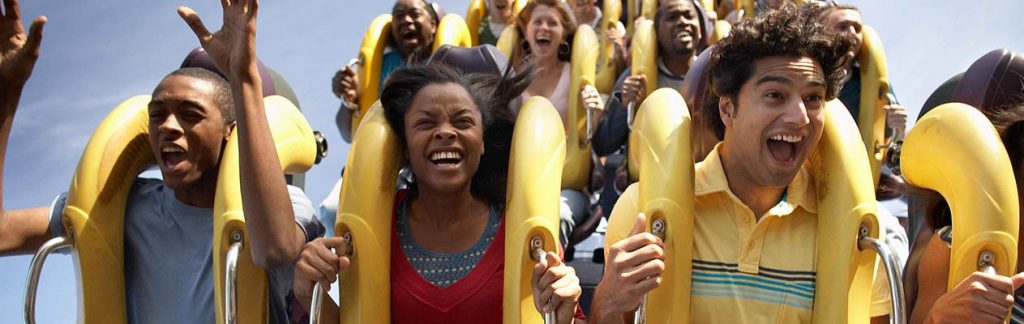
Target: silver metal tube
(892, 272)
(658, 229)
(537, 245)
(314, 307)
(34, 270)
(230, 291)
(986, 261)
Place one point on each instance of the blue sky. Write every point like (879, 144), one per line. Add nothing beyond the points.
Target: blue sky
(98, 53)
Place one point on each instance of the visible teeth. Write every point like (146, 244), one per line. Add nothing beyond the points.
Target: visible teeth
(787, 138)
(445, 155)
(170, 149)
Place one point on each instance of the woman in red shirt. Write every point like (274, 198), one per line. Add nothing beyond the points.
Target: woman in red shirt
(448, 238)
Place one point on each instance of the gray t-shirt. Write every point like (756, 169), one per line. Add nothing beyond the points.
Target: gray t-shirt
(169, 255)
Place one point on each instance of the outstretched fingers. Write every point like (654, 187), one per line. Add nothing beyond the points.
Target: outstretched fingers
(196, 23)
(12, 9)
(35, 37)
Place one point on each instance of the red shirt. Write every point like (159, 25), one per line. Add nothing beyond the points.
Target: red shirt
(476, 298)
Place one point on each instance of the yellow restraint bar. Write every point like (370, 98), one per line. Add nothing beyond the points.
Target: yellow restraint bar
(644, 59)
(846, 202)
(477, 12)
(116, 153)
(955, 151)
(606, 76)
(296, 150)
(874, 90)
(576, 173)
(94, 214)
(451, 30)
(535, 163)
(365, 207)
(660, 143)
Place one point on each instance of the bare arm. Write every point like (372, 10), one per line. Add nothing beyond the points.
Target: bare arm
(979, 298)
(269, 217)
(21, 231)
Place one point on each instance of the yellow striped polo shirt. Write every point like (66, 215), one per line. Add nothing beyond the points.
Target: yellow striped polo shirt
(747, 270)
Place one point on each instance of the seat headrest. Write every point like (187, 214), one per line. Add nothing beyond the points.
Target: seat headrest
(273, 82)
(996, 79)
(480, 59)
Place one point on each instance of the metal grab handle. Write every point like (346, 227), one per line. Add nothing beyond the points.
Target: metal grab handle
(314, 307)
(985, 262)
(892, 272)
(230, 291)
(537, 244)
(640, 316)
(319, 292)
(35, 268)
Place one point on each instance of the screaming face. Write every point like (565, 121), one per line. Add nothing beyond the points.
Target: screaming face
(679, 28)
(545, 32)
(186, 132)
(412, 26)
(774, 122)
(444, 138)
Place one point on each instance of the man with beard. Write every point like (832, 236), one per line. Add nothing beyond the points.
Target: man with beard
(755, 226)
(679, 25)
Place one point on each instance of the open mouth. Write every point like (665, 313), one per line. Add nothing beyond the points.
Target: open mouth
(446, 159)
(409, 36)
(684, 36)
(783, 148)
(171, 156)
(543, 40)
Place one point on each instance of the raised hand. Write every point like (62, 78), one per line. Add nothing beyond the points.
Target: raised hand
(556, 288)
(18, 51)
(233, 47)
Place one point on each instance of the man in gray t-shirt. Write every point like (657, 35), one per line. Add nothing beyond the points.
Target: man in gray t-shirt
(169, 255)
(169, 223)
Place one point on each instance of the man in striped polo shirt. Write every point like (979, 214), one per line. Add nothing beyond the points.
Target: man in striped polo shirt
(755, 229)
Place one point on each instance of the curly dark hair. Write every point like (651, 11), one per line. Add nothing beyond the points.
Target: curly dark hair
(788, 31)
(491, 93)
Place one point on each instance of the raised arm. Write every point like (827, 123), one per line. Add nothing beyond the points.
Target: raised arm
(269, 217)
(21, 231)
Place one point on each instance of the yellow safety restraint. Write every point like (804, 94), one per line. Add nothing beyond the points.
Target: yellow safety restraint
(451, 30)
(576, 172)
(94, 214)
(477, 12)
(874, 91)
(366, 212)
(845, 204)
(956, 151)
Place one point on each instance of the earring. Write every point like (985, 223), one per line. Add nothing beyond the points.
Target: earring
(563, 49)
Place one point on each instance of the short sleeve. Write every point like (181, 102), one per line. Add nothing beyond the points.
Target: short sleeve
(305, 215)
(56, 210)
(881, 302)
